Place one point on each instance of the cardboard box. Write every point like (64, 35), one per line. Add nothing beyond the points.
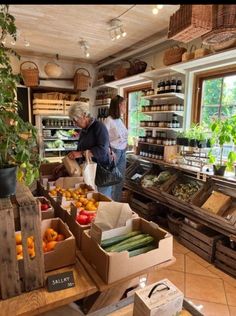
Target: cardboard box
(71, 182)
(217, 203)
(98, 197)
(159, 299)
(64, 252)
(49, 213)
(114, 266)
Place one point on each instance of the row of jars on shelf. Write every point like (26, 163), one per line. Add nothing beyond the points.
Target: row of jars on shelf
(158, 141)
(151, 154)
(58, 123)
(167, 124)
(162, 107)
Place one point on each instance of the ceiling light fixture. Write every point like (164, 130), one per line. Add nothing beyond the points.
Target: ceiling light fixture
(156, 9)
(116, 29)
(84, 46)
(26, 43)
(160, 6)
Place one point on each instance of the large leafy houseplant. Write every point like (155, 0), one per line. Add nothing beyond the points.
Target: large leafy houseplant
(223, 132)
(18, 147)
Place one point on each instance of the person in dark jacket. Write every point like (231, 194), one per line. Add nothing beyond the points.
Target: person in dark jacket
(93, 137)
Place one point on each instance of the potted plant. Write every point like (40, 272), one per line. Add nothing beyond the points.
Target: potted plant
(223, 132)
(182, 139)
(198, 136)
(19, 157)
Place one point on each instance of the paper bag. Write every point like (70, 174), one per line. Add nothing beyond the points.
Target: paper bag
(89, 169)
(72, 167)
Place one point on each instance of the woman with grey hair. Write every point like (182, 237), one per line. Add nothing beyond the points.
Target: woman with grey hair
(93, 137)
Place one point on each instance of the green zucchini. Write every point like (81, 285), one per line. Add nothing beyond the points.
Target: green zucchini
(114, 240)
(131, 239)
(133, 245)
(139, 251)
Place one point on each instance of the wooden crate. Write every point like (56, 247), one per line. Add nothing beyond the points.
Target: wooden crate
(201, 241)
(58, 107)
(225, 257)
(26, 274)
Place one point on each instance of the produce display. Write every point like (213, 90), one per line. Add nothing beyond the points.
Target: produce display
(151, 180)
(67, 134)
(184, 191)
(44, 204)
(50, 239)
(134, 242)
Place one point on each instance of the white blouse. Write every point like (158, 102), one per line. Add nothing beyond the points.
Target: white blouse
(118, 133)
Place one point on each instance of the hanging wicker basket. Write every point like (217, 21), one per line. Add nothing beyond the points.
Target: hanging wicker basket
(137, 66)
(223, 24)
(81, 79)
(30, 75)
(173, 55)
(190, 22)
(189, 55)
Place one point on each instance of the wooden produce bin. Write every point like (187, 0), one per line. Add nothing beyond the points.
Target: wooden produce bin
(24, 208)
(200, 240)
(45, 214)
(225, 257)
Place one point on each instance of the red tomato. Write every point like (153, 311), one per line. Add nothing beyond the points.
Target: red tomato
(44, 207)
(82, 219)
(91, 217)
(88, 213)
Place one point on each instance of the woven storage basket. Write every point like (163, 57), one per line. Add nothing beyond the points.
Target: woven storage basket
(30, 75)
(190, 22)
(173, 55)
(189, 55)
(223, 24)
(121, 72)
(81, 79)
(137, 66)
(202, 51)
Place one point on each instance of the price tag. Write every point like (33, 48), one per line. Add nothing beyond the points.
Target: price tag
(136, 176)
(60, 281)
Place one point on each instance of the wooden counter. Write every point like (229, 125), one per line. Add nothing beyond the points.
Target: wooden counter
(39, 301)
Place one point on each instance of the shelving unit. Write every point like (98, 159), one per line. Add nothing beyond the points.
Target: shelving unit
(54, 154)
(164, 96)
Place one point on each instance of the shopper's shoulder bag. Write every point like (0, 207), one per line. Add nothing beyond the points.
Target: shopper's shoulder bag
(108, 175)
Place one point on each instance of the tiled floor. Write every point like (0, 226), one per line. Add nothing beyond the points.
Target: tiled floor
(210, 289)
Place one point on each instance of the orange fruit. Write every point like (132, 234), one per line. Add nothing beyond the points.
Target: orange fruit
(19, 249)
(78, 204)
(50, 234)
(53, 192)
(44, 246)
(19, 256)
(31, 252)
(18, 239)
(60, 237)
(51, 245)
(30, 242)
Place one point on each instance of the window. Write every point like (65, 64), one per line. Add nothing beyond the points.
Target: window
(134, 114)
(218, 98)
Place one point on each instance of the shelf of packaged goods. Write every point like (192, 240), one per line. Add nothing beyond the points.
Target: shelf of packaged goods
(164, 96)
(145, 143)
(180, 113)
(101, 105)
(162, 128)
(60, 127)
(59, 149)
(56, 138)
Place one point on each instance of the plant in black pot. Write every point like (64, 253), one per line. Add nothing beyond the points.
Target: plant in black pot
(223, 133)
(19, 158)
(182, 139)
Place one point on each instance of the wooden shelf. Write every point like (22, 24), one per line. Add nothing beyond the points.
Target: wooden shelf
(58, 149)
(56, 138)
(162, 128)
(164, 96)
(180, 113)
(60, 127)
(145, 143)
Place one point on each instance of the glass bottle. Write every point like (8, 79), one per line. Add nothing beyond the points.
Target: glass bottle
(179, 86)
(173, 85)
(167, 86)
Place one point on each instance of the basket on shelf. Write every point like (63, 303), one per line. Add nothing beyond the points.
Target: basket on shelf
(202, 51)
(223, 24)
(30, 75)
(190, 22)
(121, 72)
(82, 79)
(137, 66)
(173, 55)
(189, 54)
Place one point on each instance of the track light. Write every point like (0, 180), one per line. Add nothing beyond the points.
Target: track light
(159, 6)
(84, 46)
(154, 10)
(116, 29)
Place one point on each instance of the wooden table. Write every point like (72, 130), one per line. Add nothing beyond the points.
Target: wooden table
(111, 293)
(39, 301)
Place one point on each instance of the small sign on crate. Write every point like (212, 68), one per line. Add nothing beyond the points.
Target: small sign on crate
(60, 281)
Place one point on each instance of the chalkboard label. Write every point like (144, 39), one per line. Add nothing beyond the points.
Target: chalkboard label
(60, 281)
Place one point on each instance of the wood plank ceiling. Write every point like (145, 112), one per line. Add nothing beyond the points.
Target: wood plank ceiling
(57, 29)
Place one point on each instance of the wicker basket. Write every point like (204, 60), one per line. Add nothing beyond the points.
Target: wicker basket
(189, 55)
(30, 75)
(202, 51)
(223, 24)
(81, 79)
(137, 66)
(173, 55)
(121, 72)
(190, 22)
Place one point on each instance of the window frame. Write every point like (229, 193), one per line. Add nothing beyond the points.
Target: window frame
(198, 83)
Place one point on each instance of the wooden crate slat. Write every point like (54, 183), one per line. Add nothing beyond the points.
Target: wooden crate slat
(226, 250)
(225, 268)
(225, 259)
(196, 242)
(9, 271)
(202, 235)
(196, 249)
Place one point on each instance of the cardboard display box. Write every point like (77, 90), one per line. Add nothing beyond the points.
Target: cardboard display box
(49, 213)
(161, 298)
(64, 252)
(115, 266)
